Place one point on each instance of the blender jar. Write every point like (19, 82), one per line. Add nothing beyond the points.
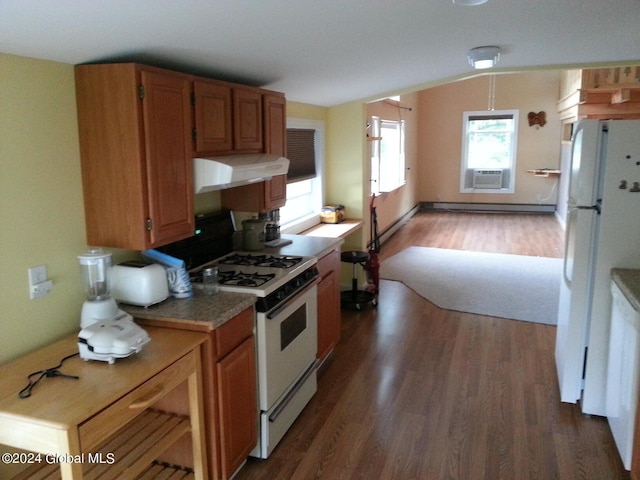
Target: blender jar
(95, 269)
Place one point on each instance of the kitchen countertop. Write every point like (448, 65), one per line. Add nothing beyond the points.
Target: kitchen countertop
(629, 282)
(201, 312)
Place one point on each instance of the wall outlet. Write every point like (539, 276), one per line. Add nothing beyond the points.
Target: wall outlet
(40, 289)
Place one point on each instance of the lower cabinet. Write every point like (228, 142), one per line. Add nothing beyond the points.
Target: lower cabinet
(237, 411)
(229, 392)
(237, 406)
(328, 303)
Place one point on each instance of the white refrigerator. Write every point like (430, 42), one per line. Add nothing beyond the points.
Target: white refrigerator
(602, 232)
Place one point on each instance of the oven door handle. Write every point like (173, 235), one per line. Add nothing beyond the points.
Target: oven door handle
(292, 393)
(279, 308)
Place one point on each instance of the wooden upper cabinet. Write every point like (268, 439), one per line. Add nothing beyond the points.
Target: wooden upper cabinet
(275, 131)
(135, 146)
(213, 115)
(247, 120)
(228, 118)
(271, 194)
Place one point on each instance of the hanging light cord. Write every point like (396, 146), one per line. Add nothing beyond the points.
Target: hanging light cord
(492, 92)
(49, 372)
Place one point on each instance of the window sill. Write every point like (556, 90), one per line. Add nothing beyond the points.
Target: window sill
(334, 230)
(487, 190)
(301, 224)
(391, 190)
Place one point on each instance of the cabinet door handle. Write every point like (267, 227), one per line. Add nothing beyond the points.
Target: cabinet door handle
(153, 395)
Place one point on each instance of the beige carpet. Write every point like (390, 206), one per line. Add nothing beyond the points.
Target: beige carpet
(508, 286)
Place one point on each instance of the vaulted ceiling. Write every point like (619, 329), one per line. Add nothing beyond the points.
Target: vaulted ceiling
(324, 52)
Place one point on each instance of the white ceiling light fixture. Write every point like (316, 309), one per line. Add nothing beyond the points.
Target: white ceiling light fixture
(483, 57)
(469, 3)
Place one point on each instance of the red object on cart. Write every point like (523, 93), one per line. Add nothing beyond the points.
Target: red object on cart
(372, 265)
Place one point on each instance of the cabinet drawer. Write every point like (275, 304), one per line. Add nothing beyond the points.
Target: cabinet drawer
(231, 334)
(135, 402)
(329, 263)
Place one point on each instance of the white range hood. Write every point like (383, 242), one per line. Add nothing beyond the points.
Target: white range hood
(217, 173)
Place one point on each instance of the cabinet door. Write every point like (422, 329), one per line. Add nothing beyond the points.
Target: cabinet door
(213, 110)
(238, 409)
(247, 120)
(275, 192)
(275, 122)
(167, 127)
(329, 325)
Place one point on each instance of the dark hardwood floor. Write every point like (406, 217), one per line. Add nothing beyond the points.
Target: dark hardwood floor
(416, 392)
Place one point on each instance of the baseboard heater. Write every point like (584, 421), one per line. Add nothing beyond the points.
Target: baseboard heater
(395, 226)
(488, 207)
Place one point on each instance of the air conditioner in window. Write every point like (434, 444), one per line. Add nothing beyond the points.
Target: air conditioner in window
(487, 178)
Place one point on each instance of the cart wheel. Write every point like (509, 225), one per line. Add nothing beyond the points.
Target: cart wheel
(358, 307)
(374, 303)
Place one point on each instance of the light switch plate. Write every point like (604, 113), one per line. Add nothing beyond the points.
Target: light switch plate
(37, 274)
(39, 284)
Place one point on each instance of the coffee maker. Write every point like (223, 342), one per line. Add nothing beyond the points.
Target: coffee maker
(272, 224)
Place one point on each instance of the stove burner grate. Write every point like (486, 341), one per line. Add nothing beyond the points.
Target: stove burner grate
(273, 261)
(243, 279)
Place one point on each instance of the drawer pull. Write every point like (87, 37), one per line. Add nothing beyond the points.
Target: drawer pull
(153, 395)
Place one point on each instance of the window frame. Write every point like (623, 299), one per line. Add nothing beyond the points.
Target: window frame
(317, 183)
(378, 169)
(466, 172)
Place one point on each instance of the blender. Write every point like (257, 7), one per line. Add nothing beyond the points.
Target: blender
(106, 331)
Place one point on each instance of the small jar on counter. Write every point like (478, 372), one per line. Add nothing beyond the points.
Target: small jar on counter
(210, 280)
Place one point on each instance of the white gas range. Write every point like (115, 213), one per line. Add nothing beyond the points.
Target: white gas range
(259, 273)
(286, 322)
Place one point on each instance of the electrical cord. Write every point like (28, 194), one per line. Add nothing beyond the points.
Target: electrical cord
(49, 372)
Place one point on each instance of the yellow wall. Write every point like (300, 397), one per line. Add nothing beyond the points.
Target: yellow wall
(440, 145)
(345, 171)
(306, 111)
(41, 202)
(391, 206)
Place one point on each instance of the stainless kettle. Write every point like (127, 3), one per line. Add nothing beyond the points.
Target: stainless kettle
(253, 233)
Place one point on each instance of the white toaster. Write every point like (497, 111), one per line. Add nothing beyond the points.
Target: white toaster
(140, 283)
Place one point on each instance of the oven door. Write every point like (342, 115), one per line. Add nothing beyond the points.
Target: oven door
(287, 338)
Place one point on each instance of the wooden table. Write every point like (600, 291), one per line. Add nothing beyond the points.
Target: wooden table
(88, 419)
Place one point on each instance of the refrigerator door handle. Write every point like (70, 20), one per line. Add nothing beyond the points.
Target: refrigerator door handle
(568, 250)
(598, 206)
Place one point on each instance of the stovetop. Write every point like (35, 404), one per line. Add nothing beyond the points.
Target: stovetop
(255, 273)
(261, 260)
